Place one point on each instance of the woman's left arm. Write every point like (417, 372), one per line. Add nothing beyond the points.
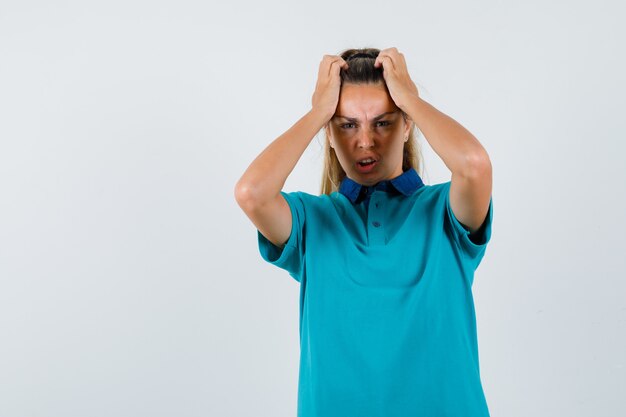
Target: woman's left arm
(471, 184)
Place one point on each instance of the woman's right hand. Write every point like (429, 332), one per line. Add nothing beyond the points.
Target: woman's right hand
(326, 95)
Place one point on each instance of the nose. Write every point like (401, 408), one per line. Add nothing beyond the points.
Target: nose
(366, 139)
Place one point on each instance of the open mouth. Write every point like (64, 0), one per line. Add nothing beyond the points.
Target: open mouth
(366, 165)
(366, 162)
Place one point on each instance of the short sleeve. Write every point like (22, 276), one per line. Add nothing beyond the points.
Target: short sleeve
(291, 256)
(474, 244)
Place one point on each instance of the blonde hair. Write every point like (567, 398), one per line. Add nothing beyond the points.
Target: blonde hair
(362, 71)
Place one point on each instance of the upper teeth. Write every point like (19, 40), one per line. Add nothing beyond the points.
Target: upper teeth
(367, 160)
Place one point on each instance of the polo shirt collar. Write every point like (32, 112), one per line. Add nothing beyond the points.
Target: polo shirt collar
(406, 183)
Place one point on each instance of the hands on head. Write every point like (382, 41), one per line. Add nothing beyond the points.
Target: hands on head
(397, 79)
(326, 95)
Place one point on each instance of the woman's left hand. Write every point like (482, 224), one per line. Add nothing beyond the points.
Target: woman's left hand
(399, 83)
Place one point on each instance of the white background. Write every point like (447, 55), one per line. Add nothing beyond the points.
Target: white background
(130, 280)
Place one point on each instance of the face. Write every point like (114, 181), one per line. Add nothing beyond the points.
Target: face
(367, 123)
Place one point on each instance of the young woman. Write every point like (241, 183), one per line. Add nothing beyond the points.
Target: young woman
(385, 263)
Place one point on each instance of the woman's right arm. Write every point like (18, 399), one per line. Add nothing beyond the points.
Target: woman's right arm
(258, 190)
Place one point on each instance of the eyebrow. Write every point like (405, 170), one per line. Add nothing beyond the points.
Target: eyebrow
(352, 119)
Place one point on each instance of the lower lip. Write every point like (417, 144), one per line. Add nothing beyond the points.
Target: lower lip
(367, 168)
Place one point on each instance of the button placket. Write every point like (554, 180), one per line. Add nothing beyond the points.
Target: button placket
(376, 230)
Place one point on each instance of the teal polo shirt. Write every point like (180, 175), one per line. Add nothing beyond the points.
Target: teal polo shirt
(387, 320)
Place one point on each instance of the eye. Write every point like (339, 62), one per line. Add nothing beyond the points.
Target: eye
(384, 123)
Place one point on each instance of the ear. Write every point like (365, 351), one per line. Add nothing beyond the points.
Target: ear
(408, 125)
(329, 136)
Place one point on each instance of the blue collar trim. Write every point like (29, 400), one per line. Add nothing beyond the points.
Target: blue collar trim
(406, 183)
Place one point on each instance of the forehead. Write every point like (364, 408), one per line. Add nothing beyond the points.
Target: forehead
(364, 101)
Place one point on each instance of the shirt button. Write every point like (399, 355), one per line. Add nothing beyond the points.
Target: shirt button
(376, 224)
(376, 204)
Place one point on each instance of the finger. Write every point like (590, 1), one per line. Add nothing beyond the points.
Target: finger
(342, 63)
(378, 62)
(386, 62)
(388, 51)
(393, 53)
(335, 65)
(401, 58)
(324, 68)
(330, 61)
(402, 62)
